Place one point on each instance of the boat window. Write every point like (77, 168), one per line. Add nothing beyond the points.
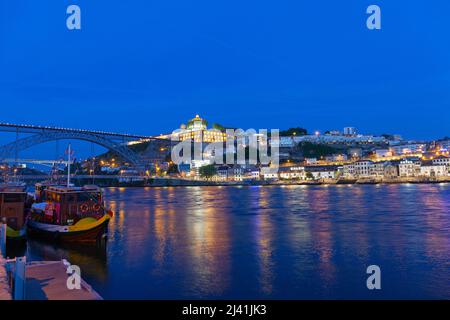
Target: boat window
(54, 197)
(12, 222)
(83, 197)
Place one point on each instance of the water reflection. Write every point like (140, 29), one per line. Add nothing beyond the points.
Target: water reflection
(270, 242)
(92, 260)
(264, 238)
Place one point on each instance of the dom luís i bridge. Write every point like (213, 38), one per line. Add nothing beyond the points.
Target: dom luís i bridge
(27, 136)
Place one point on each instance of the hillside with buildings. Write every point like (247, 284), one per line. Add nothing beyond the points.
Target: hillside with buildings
(333, 156)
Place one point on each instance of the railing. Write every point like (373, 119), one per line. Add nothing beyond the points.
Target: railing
(3, 239)
(5, 290)
(12, 269)
(33, 129)
(16, 268)
(78, 177)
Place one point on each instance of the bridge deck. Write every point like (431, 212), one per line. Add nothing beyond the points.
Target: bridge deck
(26, 128)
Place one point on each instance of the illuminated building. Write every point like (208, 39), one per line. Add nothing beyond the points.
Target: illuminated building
(363, 168)
(317, 173)
(413, 148)
(409, 168)
(383, 153)
(196, 130)
(334, 139)
(349, 131)
(222, 173)
(291, 172)
(441, 160)
(235, 173)
(336, 158)
(378, 169)
(433, 170)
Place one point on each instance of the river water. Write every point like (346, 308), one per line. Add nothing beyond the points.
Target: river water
(271, 242)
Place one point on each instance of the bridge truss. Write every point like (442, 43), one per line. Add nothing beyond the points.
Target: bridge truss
(116, 142)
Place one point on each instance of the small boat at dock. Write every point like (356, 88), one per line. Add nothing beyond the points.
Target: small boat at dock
(13, 210)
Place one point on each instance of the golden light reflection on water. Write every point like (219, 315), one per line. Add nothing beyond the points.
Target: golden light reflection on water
(163, 226)
(209, 244)
(268, 242)
(264, 233)
(354, 207)
(321, 231)
(300, 236)
(435, 212)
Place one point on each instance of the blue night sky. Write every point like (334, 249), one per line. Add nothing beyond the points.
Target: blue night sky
(147, 66)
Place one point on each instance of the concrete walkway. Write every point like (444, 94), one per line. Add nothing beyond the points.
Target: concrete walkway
(47, 280)
(4, 285)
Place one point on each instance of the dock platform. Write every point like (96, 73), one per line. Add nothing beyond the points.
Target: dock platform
(5, 293)
(47, 280)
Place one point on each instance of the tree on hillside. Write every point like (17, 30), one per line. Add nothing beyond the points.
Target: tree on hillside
(219, 127)
(173, 169)
(312, 150)
(309, 176)
(208, 171)
(293, 132)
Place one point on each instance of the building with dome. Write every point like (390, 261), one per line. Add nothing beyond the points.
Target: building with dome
(197, 130)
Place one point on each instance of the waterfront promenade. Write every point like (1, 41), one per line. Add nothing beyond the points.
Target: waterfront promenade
(47, 280)
(4, 286)
(41, 280)
(138, 181)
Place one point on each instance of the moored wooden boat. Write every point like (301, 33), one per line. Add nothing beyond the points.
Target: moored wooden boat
(69, 214)
(13, 200)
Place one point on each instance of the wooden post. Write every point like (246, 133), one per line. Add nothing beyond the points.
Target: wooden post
(19, 279)
(3, 239)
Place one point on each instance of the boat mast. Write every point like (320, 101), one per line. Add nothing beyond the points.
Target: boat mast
(68, 166)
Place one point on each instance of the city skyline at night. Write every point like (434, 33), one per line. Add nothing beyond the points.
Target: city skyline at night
(144, 68)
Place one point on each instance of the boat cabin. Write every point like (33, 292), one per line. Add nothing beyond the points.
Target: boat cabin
(67, 205)
(40, 188)
(12, 205)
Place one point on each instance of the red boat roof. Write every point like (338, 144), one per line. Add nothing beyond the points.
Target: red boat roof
(12, 188)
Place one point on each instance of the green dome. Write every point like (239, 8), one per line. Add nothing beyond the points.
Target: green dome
(197, 118)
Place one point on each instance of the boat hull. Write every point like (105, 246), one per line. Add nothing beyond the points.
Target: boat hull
(18, 236)
(66, 234)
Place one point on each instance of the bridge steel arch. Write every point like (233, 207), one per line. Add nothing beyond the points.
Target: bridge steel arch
(9, 150)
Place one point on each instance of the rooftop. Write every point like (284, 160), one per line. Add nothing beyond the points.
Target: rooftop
(65, 189)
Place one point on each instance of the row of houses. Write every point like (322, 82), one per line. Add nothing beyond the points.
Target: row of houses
(408, 167)
(237, 173)
(245, 173)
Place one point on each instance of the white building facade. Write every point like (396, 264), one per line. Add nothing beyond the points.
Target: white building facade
(363, 168)
(433, 171)
(409, 168)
